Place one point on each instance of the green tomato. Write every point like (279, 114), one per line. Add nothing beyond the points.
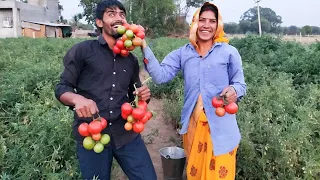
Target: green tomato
(121, 29)
(105, 139)
(128, 43)
(98, 148)
(88, 143)
(129, 33)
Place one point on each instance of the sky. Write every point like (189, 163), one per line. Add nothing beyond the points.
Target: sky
(291, 11)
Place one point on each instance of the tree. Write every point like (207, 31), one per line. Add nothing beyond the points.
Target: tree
(315, 30)
(89, 7)
(152, 14)
(231, 28)
(306, 30)
(76, 18)
(195, 3)
(293, 30)
(244, 26)
(266, 13)
(265, 25)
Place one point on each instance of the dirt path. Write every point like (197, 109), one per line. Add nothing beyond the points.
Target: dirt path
(158, 133)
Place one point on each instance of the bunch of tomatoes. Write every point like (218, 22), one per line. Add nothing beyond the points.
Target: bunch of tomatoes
(94, 139)
(136, 115)
(132, 36)
(222, 107)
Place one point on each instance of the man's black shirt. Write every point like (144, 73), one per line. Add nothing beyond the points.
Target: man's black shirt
(92, 70)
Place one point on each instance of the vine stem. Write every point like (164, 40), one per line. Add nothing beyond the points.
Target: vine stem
(136, 98)
(148, 79)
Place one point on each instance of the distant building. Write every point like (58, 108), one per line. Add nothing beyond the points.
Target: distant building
(36, 18)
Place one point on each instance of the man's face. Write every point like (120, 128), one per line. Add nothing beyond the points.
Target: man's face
(207, 26)
(112, 18)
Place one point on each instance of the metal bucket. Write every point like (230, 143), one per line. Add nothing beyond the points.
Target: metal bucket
(173, 161)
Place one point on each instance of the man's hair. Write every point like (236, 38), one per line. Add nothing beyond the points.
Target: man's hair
(103, 5)
(209, 7)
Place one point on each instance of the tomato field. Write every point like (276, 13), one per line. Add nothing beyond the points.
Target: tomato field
(279, 118)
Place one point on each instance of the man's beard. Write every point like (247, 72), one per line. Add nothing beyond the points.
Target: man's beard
(112, 33)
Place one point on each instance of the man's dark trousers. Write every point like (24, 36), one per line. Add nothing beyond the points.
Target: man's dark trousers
(133, 158)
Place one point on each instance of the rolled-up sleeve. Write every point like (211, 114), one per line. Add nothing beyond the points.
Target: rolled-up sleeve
(72, 63)
(236, 74)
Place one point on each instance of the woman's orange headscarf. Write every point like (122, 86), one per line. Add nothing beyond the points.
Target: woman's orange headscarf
(219, 35)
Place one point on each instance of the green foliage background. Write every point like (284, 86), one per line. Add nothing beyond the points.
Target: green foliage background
(279, 118)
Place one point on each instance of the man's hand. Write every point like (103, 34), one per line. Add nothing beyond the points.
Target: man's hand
(230, 94)
(85, 107)
(143, 93)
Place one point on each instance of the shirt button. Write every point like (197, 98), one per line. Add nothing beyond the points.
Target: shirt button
(111, 112)
(113, 85)
(111, 98)
(110, 124)
(114, 72)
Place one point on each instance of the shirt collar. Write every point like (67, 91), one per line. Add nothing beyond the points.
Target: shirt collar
(101, 40)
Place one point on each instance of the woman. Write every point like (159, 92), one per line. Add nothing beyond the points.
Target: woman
(211, 67)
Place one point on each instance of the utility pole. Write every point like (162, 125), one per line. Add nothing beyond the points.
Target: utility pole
(259, 20)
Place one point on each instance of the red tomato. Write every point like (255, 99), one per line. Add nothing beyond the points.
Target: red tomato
(104, 122)
(142, 104)
(231, 108)
(128, 126)
(137, 41)
(124, 116)
(95, 127)
(216, 102)
(138, 113)
(138, 127)
(141, 28)
(134, 28)
(140, 34)
(120, 44)
(126, 108)
(96, 137)
(124, 52)
(116, 50)
(220, 111)
(83, 129)
(149, 115)
(126, 25)
(144, 119)
(131, 48)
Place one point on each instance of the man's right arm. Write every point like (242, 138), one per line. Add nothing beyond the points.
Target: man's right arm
(65, 89)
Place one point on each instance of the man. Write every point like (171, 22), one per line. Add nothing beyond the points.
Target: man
(211, 67)
(95, 80)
